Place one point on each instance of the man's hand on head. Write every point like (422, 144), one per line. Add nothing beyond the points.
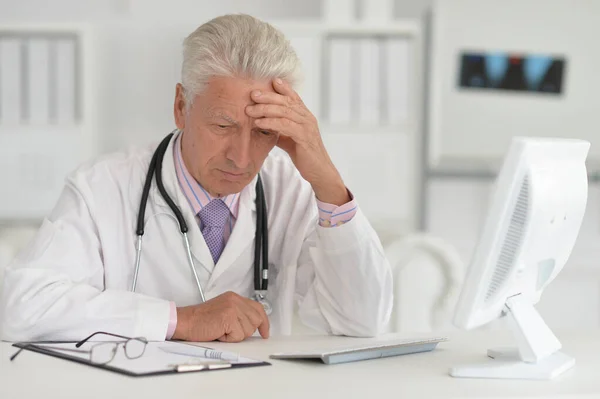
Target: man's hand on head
(228, 318)
(285, 113)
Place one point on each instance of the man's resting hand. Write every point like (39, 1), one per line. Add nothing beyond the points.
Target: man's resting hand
(228, 318)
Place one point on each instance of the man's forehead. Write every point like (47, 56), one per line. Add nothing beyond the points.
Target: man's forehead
(218, 112)
(227, 97)
(235, 89)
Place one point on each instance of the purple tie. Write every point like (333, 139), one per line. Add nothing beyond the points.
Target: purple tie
(214, 216)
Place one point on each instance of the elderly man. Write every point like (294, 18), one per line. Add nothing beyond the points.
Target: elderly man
(235, 104)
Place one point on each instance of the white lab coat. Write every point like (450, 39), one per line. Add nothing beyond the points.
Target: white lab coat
(74, 277)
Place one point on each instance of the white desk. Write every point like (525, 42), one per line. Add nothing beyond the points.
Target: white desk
(33, 375)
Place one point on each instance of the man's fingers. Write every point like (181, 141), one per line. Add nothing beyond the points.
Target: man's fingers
(262, 319)
(247, 325)
(286, 144)
(270, 98)
(274, 111)
(254, 317)
(261, 97)
(280, 125)
(264, 329)
(283, 95)
(234, 333)
(285, 89)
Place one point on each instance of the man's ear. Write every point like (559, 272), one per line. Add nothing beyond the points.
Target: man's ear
(179, 110)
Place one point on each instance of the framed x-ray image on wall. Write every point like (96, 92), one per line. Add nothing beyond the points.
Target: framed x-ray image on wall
(532, 73)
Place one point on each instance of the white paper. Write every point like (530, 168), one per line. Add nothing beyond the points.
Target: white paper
(369, 81)
(340, 81)
(10, 82)
(397, 72)
(153, 360)
(38, 79)
(65, 82)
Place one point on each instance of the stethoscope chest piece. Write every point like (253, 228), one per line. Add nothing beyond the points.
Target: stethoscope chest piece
(261, 297)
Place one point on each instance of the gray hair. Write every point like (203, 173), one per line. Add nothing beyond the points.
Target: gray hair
(238, 46)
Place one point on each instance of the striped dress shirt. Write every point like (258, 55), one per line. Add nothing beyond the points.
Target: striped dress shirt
(329, 215)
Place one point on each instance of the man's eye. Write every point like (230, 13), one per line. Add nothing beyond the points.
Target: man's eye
(223, 126)
(266, 133)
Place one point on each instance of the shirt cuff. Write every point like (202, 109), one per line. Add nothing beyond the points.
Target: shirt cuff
(332, 215)
(172, 321)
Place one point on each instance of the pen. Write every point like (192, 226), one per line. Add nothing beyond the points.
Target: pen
(182, 368)
(199, 351)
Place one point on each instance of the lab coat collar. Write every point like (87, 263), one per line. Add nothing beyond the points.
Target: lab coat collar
(243, 231)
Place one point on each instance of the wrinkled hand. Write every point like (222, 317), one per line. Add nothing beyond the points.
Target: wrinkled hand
(284, 112)
(228, 318)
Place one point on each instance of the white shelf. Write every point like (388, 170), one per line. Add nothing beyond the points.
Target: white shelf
(487, 168)
(39, 144)
(364, 129)
(407, 28)
(471, 167)
(399, 27)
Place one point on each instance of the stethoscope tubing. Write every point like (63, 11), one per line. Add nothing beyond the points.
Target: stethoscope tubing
(261, 275)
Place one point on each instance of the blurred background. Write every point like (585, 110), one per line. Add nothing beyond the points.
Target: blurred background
(417, 101)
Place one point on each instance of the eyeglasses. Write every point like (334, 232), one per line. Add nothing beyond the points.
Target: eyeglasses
(105, 352)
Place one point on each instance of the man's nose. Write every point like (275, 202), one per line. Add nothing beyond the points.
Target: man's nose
(239, 149)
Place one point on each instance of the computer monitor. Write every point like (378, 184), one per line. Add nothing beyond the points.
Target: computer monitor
(534, 218)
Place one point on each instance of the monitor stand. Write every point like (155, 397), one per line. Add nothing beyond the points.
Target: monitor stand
(537, 355)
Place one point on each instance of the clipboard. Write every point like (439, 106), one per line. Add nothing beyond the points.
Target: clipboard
(154, 361)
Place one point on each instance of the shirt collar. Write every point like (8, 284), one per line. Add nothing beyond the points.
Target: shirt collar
(196, 195)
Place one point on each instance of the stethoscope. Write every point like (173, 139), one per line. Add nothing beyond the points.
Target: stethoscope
(261, 243)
